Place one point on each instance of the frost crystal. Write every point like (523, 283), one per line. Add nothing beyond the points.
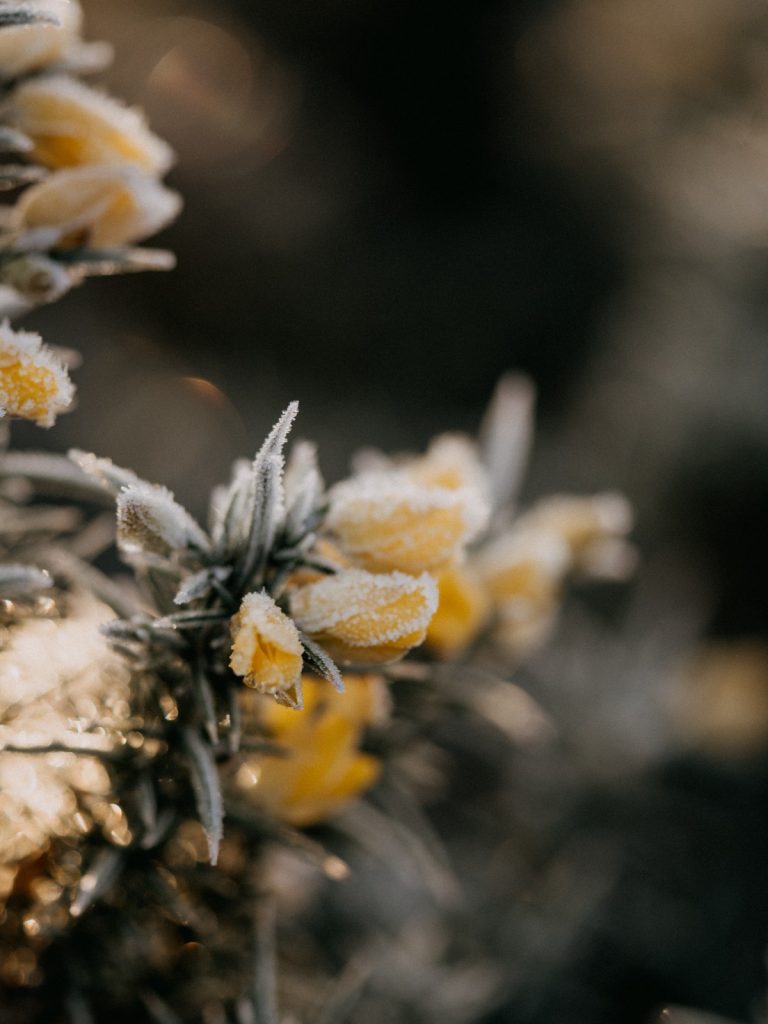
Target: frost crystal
(34, 383)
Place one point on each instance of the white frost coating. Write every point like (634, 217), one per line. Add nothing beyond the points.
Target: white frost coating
(109, 206)
(26, 48)
(452, 460)
(377, 497)
(104, 471)
(322, 607)
(547, 550)
(59, 105)
(258, 626)
(149, 519)
(34, 383)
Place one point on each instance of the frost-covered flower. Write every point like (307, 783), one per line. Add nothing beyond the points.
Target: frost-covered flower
(93, 206)
(462, 611)
(451, 461)
(30, 47)
(594, 527)
(321, 767)
(266, 648)
(34, 383)
(523, 572)
(71, 124)
(386, 522)
(363, 618)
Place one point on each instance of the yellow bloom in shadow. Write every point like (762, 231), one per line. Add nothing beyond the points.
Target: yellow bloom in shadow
(34, 384)
(322, 768)
(463, 609)
(386, 522)
(363, 618)
(71, 125)
(266, 649)
(93, 206)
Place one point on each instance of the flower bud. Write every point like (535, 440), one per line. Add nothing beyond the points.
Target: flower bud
(25, 48)
(385, 522)
(150, 521)
(366, 619)
(34, 384)
(451, 461)
(72, 124)
(593, 527)
(266, 648)
(463, 608)
(524, 571)
(93, 206)
(322, 768)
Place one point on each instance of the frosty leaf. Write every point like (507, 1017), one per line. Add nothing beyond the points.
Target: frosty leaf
(227, 513)
(13, 141)
(14, 175)
(21, 580)
(199, 584)
(55, 475)
(205, 783)
(108, 262)
(263, 989)
(206, 704)
(111, 477)
(321, 662)
(20, 14)
(151, 521)
(100, 877)
(506, 435)
(303, 491)
(265, 506)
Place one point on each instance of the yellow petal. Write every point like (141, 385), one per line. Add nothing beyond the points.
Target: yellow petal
(463, 608)
(71, 125)
(266, 649)
(363, 618)
(34, 384)
(385, 522)
(321, 768)
(94, 206)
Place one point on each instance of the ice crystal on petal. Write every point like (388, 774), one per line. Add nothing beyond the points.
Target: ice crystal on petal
(71, 124)
(366, 618)
(266, 647)
(34, 383)
(387, 522)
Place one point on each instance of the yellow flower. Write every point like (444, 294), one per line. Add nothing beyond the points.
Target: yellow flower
(366, 619)
(451, 461)
(593, 527)
(72, 124)
(462, 610)
(34, 384)
(322, 768)
(386, 522)
(266, 649)
(523, 572)
(93, 206)
(25, 48)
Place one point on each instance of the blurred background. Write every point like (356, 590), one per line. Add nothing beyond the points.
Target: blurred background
(390, 204)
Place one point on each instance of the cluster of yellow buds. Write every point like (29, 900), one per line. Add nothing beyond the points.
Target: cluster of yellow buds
(93, 167)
